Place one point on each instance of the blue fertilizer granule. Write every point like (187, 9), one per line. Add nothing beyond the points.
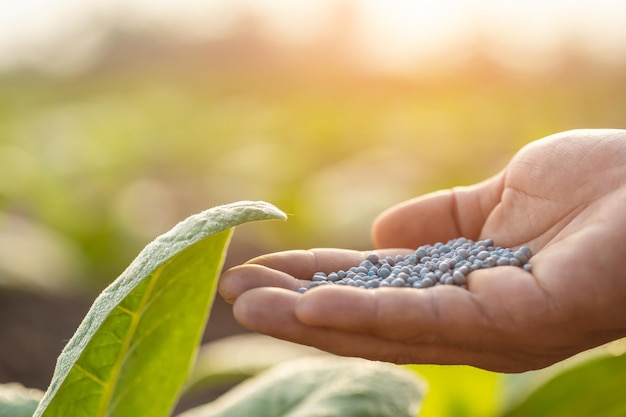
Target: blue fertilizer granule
(430, 265)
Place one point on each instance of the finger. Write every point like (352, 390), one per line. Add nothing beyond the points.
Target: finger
(444, 315)
(302, 264)
(242, 278)
(490, 314)
(271, 311)
(438, 216)
(289, 269)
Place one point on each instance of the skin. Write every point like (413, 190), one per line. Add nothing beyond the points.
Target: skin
(563, 196)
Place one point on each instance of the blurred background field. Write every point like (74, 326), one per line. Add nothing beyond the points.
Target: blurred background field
(118, 120)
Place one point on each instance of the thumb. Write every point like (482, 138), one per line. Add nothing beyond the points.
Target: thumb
(438, 216)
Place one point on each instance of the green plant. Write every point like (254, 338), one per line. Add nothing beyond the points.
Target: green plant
(321, 387)
(134, 351)
(132, 354)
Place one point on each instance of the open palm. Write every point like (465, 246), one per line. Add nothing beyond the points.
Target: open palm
(563, 196)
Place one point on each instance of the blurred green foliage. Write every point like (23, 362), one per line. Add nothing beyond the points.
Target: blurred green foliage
(460, 391)
(110, 158)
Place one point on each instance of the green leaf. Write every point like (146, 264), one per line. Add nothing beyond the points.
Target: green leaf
(133, 351)
(324, 386)
(235, 358)
(592, 388)
(460, 391)
(17, 401)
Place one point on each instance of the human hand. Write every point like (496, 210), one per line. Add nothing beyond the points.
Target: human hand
(563, 196)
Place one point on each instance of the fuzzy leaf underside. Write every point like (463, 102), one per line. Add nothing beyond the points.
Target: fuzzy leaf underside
(321, 386)
(133, 351)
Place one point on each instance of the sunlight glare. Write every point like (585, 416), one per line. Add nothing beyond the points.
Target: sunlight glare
(390, 35)
(396, 30)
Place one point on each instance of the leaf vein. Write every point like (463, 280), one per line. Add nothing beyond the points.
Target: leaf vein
(90, 375)
(123, 354)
